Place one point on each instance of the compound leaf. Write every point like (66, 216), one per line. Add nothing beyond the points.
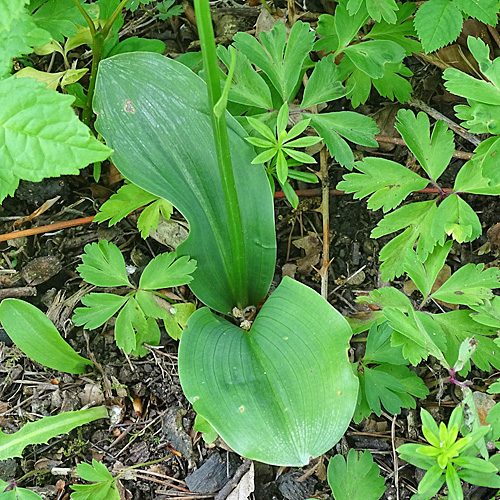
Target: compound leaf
(324, 84)
(438, 23)
(40, 135)
(434, 154)
(379, 349)
(456, 218)
(34, 333)
(150, 216)
(12, 445)
(99, 307)
(284, 389)
(354, 127)
(358, 478)
(166, 271)
(371, 56)
(59, 18)
(127, 199)
(389, 182)
(470, 285)
(129, 322)
(104, 487)
(103, 265)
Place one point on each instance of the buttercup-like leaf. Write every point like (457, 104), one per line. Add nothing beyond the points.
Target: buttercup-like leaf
(166, 271)
(284, 390)
(99, 307)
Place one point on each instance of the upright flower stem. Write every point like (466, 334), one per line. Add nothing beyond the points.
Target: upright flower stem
(219, 127)
(98, 39)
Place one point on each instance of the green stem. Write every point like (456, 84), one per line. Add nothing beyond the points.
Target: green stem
(98, 39)
(209, 56)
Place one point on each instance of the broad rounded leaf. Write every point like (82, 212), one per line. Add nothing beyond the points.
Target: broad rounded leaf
(38, 338)
(280, 393)
(153, 112)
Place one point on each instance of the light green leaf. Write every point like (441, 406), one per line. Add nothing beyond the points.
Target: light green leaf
(20, 37)
(95, 472)
(11, 11)
(354, 127)
(202, 425)
(285, 390)
(149, 335)
(136, 44)
(484, 10)
(12, 445)
(388, 183)
(166, 271)
(358, 478)
(392, 85)
(379, 349)
(432, 482)
(103, 265)
(470, 285)
(488, 313)
(150, 216)
(299, 156)
(127, 199)
(467, 86)
(434, 154)
(174, 325)
(438, 23)
(400, 32)
(456, 218)
(99, 307)
(52, 80)
(38, 338)
(371, 56)
(324, 84)
(186, 173)
(41, 124)
(481, 53)
(129, 322)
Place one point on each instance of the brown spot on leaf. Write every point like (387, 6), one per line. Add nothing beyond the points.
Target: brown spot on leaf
(458, 292)
(128, 107)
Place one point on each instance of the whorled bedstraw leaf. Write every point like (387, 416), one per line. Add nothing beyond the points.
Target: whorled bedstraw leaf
(371, 56)
(103, 265)
(355, 127)
(40, 135)
(424, 274)
(166, 271)
(456, 218)
(358, 478)
(99, 307)
(401, 31)
(470, 285)
(12, 445)
(388, 183)
(104, 487)
(438, 23)
(324, 83)
(434, 154)
(338, 31)
(248, 87)
(127, 199)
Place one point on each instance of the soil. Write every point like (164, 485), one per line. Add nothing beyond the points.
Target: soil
(155, 421)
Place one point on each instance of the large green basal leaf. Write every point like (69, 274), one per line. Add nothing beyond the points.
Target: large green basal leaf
(280, 393)
(152, 111)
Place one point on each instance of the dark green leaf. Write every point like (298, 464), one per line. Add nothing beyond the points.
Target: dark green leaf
(136, 44)
(285, 390)
(156, 91)
(59, 18)
(166, 271)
